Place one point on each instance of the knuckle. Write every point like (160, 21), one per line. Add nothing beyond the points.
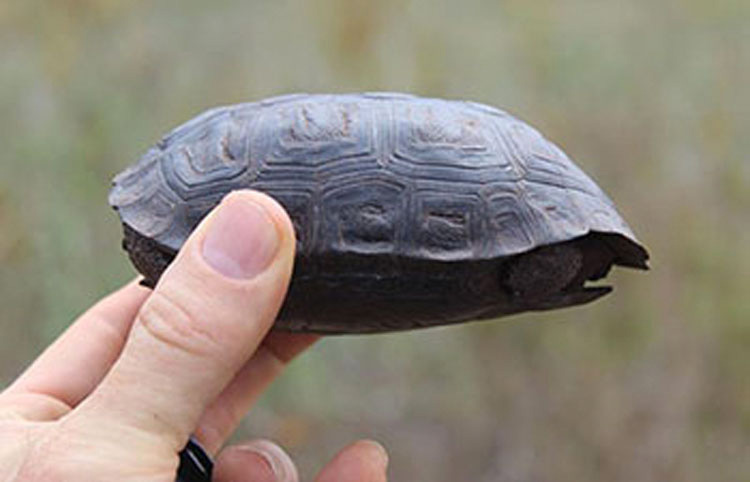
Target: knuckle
(174, 326)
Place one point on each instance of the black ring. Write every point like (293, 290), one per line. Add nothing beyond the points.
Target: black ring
(195, 464)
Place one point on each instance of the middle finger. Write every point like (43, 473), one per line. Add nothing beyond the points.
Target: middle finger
(223, 416)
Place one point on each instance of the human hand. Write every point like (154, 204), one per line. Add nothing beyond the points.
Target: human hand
(118, 394)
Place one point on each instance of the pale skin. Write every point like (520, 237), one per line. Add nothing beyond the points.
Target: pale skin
(118, 394)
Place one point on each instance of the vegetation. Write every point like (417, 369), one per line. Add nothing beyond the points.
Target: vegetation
(651, 98)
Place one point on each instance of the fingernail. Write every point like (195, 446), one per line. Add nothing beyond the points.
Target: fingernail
(241, 240)
(277, 460)
(382, 453)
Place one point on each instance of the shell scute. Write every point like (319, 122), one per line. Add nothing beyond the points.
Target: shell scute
(372, 173)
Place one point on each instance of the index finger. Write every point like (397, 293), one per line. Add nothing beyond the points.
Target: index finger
(71, 367)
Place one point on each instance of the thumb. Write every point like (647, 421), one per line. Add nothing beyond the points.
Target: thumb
(208, 314)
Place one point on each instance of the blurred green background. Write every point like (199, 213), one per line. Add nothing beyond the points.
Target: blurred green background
(651, 99)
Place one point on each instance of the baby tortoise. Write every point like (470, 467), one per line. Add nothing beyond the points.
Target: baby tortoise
(409, 212)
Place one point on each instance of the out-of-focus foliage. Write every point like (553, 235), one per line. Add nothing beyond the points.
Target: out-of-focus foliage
(651, 98)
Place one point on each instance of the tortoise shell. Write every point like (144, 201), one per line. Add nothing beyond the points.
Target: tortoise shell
(408, 211)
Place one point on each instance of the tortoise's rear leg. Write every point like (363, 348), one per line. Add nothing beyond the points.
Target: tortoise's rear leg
(558, 268)
(544, 271)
